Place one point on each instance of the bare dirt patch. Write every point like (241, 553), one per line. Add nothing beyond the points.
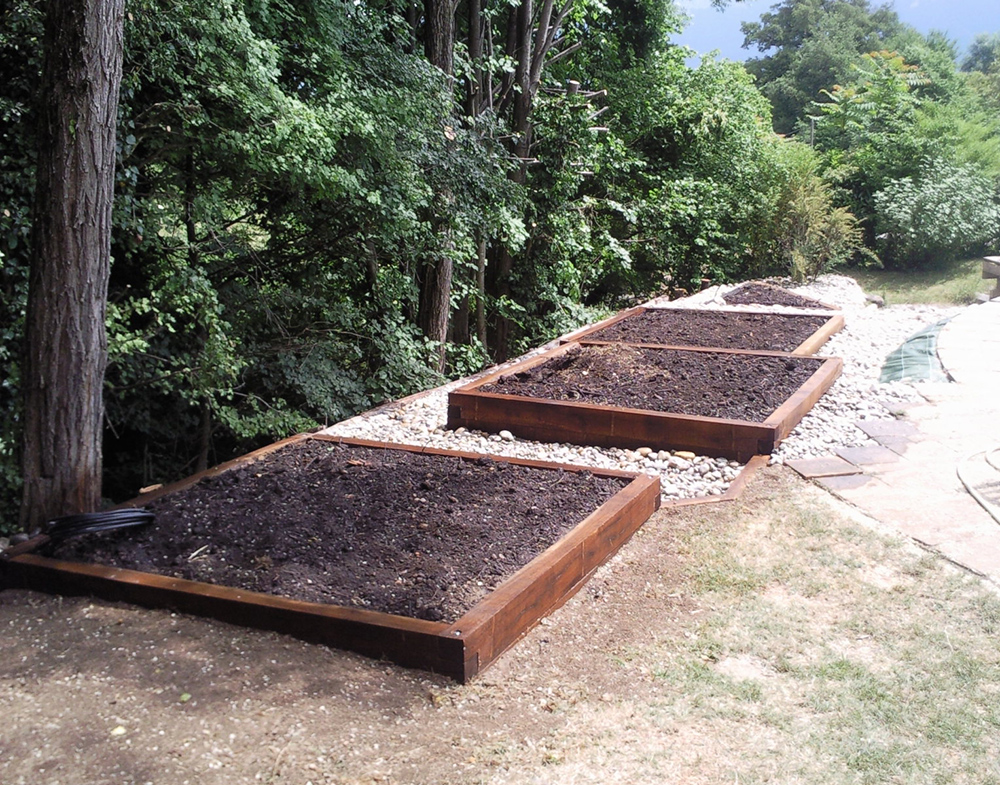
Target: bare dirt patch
(716, 329)
(757, 293)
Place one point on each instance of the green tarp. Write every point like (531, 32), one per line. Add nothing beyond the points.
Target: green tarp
(916, 359)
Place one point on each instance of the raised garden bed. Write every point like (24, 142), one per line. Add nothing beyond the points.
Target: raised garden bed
(757, 293)
(728, 403)
(754, 330)
(434, 559)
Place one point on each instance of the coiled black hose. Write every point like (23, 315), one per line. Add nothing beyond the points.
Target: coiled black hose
(59, 529)
(84, 523)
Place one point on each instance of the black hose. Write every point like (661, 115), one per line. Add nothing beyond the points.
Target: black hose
(85, 523)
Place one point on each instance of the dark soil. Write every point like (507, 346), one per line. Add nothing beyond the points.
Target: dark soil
(418, 535)
(718, 329)
(707, 384)
(756, 293)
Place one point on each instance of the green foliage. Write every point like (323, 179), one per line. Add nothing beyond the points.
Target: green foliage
(984, 53)
(879, 97)
(813, 235)
(705, 173)
(947, 210)
(811, 45)
(20, 25)
(882, 131)
(289, 172)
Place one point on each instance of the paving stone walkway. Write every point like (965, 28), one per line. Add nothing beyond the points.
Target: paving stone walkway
(910, 477)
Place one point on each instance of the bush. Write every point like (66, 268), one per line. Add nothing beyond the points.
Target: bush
(946, 211)
(809, 234)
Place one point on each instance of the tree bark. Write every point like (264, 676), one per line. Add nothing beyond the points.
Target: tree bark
(435, 296)
(66, 344)
(439, 40)
(435, 292)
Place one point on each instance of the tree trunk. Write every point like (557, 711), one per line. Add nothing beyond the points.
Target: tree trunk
(439, 38)
(435, 296)
(66, 344)
(435, 291)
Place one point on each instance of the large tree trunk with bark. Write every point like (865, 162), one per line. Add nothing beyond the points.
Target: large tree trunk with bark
(66, 344)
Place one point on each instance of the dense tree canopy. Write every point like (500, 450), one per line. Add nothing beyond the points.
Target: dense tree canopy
(810, 45)
(322, 205)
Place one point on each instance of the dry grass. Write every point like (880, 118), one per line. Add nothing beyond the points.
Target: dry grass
(823, 652)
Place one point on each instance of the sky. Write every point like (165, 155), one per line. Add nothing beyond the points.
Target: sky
(710, 29)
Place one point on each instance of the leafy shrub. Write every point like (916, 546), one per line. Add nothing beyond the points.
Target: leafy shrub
(945, 211)
(813, 236)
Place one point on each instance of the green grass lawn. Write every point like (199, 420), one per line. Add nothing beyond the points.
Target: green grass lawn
(955, 283)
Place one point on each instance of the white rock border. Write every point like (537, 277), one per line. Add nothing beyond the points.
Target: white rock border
(869, 335)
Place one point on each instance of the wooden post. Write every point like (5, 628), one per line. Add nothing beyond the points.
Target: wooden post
(991, 269)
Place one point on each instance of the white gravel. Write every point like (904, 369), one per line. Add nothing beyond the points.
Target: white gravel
(869, 335)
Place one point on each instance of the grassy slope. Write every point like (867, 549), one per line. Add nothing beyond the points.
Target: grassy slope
(956, 283)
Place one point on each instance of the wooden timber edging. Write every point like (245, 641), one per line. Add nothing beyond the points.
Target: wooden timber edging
(459, 650)
(547, 420)
(834, 323)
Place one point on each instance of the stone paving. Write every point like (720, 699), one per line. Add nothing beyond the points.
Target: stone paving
(910, 478)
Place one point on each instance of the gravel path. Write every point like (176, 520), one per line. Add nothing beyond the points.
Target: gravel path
(869, 335)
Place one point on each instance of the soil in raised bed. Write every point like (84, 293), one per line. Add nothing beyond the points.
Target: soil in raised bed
(717, 329)
(418, 535)
(706, 384)
(756, 293)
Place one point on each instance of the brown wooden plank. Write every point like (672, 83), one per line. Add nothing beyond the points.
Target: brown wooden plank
(591, 424)
(737, 486)
(991, 267)
(548, 581)
(624, 516)
(812, 344)
(606, 426)
(788, 415)
(474, 456)
(410, 642)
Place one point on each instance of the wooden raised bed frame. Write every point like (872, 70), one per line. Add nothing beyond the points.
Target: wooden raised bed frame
(547, 420)
(809, 346)
(459, 650)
